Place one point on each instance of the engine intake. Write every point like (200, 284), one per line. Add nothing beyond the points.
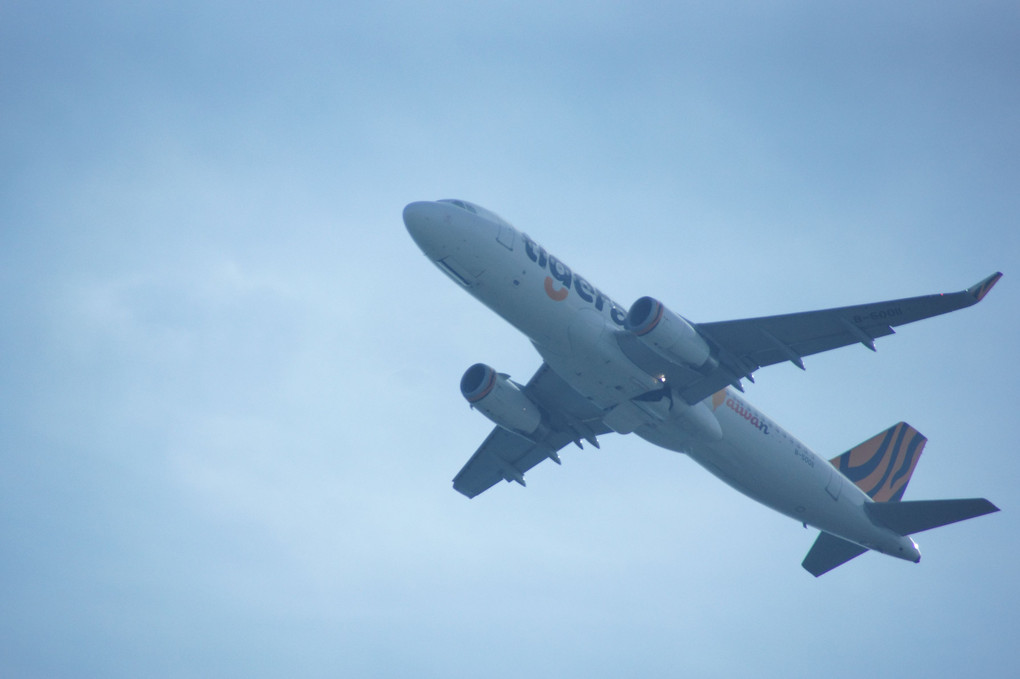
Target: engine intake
(666, 333)
(500, 399)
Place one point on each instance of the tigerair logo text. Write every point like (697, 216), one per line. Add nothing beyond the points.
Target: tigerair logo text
(759, 423)
(560, 280)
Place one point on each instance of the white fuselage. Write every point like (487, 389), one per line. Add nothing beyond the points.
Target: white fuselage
(573, 325)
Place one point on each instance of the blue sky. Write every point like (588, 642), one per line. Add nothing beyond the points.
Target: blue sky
(229, 412)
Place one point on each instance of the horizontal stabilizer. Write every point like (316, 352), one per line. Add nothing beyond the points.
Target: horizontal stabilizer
(829, 552)
(907, 518)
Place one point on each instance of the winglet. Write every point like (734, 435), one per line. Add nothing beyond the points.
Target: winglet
(979, 291)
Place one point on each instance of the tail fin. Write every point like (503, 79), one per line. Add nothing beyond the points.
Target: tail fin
(882, 465)
(907, 518)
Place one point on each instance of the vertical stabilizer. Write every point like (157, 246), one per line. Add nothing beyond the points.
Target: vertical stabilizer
(882, 465)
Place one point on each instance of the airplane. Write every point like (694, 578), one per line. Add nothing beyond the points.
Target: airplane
(647, 370)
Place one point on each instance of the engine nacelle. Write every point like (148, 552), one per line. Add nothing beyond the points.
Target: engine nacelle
(667, 333)
(500, 399)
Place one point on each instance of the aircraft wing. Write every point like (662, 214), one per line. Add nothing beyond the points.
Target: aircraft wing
(743, 346)
(505, 456)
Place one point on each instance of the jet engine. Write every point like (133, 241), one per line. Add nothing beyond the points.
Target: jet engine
(500, 399)
(667, 334)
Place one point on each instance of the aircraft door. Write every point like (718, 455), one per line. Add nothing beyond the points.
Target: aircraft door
(835, 484)
(506, 236)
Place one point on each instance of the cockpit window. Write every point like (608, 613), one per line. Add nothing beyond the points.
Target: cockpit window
(477, 210)
(461, 204)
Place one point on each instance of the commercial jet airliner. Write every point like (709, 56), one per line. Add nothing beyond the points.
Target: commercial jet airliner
(649, 371)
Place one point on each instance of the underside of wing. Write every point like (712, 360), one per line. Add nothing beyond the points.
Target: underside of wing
(757, 342)
(506, 456)
(743, 346)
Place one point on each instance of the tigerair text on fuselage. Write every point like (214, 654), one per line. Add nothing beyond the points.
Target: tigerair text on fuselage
(560, 280)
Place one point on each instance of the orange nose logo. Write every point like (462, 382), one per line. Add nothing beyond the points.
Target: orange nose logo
(554, 294)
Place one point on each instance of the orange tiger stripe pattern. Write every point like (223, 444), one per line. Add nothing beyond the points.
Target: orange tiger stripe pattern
(882, 465)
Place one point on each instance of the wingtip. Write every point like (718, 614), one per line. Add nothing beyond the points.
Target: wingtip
(990, 506)
(981, 289)
(463, 491)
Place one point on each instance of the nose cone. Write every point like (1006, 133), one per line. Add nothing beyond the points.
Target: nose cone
(421, 219)
(447, 232)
